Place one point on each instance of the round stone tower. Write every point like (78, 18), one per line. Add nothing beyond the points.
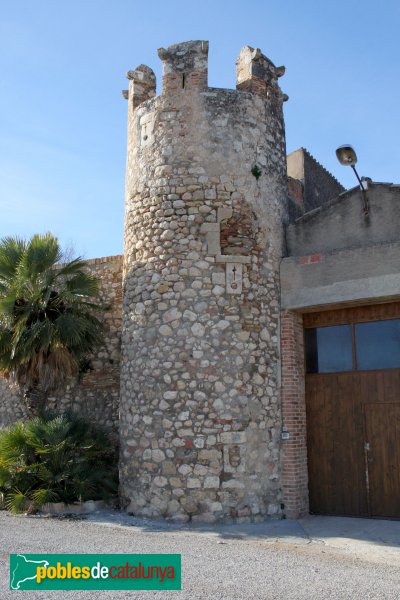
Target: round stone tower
(205, 201)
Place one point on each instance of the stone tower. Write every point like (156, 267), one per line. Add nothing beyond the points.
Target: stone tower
(205, 199)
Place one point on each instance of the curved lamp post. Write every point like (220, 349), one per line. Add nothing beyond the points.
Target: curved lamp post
(347, 156)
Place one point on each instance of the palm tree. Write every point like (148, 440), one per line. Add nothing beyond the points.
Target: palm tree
(48, 315)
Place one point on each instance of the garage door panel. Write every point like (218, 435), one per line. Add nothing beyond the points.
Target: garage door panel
(352, 499)
(389, 390)
(317, 470)
(382, 431)
(335, 445)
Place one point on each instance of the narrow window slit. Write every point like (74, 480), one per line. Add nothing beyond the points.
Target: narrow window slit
(183, 80)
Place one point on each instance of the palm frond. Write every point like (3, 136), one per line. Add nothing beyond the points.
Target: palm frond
(83, 284)
(18, 501)
(71, 268)
(44, 496)
(41, 253)
(13, 444)
(11, 251)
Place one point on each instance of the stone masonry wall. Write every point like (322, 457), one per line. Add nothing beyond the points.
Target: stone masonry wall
(96, 394)
(200, 416)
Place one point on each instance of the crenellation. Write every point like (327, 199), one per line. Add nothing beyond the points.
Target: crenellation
(257, 74)
(185, 66)
(142, 85)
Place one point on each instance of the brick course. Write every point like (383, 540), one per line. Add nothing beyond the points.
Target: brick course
(294, 451)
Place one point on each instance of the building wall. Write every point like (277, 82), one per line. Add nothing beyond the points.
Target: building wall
(200, 404)
(318, 186)
(356, 275)
(338, 254)
(96, 394)
(342, 223)
(294, 455)
(338, 257)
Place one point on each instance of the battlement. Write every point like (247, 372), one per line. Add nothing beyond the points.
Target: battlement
(256, 73)
(185, 67)
(142, 84)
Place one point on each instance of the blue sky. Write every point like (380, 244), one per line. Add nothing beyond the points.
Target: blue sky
(63, 119)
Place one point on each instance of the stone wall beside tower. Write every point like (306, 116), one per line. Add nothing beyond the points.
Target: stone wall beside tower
(200, 414)
(94, 394)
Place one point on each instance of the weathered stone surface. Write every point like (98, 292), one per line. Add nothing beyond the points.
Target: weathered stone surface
(199, 354)
(211, 482)
(157, 455)
(193, 483)
(160, 481)
(198, 329)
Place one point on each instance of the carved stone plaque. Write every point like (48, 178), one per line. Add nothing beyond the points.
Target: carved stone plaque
(146, 129)
(234, 278)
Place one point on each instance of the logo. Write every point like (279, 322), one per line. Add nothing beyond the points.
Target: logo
(95, 571)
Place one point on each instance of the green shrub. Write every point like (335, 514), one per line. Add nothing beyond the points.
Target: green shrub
(55, 458)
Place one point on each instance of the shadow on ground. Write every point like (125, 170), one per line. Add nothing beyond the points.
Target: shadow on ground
(333, 531)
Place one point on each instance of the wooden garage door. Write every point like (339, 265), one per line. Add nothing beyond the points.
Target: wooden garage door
(383, 458)
(353, 411)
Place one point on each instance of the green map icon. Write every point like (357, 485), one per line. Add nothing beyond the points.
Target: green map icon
(24, 569)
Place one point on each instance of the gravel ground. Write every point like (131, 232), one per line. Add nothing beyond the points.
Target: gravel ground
(216, 563)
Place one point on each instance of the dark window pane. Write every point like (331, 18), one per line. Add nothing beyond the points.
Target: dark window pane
(329, 349)
(310, 338)
(378, 345)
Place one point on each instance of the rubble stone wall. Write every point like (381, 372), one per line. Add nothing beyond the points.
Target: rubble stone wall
(206, 188)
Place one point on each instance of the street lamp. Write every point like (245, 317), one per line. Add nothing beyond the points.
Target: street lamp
(347, 156)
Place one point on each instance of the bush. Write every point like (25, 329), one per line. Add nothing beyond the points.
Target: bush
(55, 458)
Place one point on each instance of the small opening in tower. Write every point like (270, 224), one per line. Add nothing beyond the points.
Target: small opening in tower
(183, 80)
